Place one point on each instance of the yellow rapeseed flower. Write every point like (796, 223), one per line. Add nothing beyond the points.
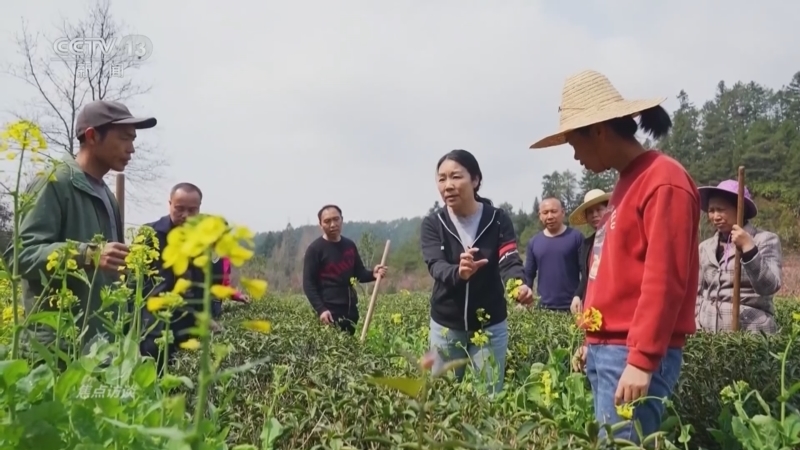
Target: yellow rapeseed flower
(181, 286)
(55, 258)
(512, 288)
(164, 301)
(173, 256)
(256, 288)
(259, 326)
(229, 246)
(625, 411)
(222, 292)
(191, 242)
(547, 387)
(191, 344)
(201, 261)
(590, 320)
(26, 134)
(397, 318)
(11, 156)
(52, 261)
(8, 314)
(479, 338)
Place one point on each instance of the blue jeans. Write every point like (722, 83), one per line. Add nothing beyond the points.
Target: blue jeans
(455, 344)
(604, 366)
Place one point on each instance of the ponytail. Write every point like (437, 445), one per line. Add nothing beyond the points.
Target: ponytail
(655, 121)
(485, 201)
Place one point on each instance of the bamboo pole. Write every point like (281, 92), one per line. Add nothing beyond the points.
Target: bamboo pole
(120, 194)
(372, 299)
(737, 261)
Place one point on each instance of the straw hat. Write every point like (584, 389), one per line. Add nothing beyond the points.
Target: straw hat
(589, 98)
(593, 197)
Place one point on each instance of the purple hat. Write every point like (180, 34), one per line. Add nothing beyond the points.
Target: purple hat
(729, 187)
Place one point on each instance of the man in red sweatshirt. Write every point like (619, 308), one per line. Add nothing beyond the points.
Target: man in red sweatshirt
(643, 276)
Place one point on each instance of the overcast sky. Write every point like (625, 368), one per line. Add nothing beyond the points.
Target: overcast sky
(276, 108)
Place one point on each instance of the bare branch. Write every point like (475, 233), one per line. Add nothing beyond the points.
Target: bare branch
(62, 84)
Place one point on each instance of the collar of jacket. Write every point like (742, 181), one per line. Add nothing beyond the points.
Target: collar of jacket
(77, 176)
(486, 216)
(163, 225)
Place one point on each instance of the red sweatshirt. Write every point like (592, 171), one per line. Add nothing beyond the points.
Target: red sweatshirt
(645, 262)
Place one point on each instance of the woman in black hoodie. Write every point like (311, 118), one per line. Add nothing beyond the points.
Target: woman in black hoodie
(470, 249)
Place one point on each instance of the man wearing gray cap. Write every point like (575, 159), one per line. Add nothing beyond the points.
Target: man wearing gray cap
(76, 206)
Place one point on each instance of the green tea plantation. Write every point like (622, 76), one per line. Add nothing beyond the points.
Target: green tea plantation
(312, 389)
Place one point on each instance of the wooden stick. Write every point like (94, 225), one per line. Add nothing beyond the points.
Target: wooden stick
(371, 308)
(737, 261)
(120, 194)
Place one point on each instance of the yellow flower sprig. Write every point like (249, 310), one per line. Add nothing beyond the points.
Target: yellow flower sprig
(590, 320)
(512, 289)
(63, 257)
(27, 135)
(189, 242)
(142, 252)
(625, 411)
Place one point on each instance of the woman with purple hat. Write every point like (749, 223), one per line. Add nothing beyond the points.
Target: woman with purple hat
(761, 265)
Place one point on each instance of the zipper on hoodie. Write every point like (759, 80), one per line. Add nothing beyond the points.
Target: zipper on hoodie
(455, 235)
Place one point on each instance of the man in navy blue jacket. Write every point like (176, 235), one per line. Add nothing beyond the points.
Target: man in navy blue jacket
(184, 202)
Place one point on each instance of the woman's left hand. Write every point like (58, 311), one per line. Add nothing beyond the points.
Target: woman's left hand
(742, 239)
(525, 295)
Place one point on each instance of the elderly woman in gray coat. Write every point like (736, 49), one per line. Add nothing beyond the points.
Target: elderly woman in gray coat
(761, 265)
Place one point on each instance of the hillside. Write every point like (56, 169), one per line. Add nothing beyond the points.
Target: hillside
(744, 124)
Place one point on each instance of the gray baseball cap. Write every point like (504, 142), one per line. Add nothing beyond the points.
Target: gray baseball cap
(102, 112)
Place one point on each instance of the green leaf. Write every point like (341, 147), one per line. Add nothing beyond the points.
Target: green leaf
(145, 375)
(67, 381)
(11, 371)
(121, 370)
(409, 386)
(270, 433)
(49, 318)
(170, 381)
(793, 389)
(36, 382)
(238, 369)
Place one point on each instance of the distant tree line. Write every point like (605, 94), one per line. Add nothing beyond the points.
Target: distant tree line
(744, 124)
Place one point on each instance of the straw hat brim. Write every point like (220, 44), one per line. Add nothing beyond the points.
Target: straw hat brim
(578, 217)
(750, 208)
(592, 116)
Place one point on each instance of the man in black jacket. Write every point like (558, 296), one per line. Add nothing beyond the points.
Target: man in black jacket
(331, 269)
(590, 212)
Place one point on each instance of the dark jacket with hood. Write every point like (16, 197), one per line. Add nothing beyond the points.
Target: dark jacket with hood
(454, 301)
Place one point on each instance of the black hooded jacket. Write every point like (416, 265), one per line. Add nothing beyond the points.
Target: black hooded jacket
(454, 302)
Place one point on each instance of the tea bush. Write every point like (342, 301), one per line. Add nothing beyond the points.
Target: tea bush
(323, 401)
(293, 383)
